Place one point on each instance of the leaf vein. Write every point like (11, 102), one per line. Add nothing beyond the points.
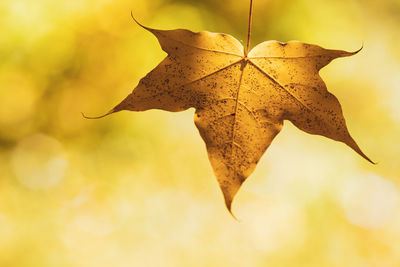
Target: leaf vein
(281, 86)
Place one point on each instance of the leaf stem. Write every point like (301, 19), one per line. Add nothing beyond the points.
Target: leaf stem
(249, 29)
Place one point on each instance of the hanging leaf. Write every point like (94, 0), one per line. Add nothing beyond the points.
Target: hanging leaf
(241, 97)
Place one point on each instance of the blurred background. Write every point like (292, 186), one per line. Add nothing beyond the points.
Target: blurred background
(136, 189)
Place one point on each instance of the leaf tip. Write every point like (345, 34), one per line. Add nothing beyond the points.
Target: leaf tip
(228, 204)
(97, 117)
(231, 213)
(369, 160)
(137, 22)
(341, 53)
(365, 156)
(361, 48)
(362, 154)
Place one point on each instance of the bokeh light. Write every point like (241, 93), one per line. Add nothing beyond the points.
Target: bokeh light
(369, 200)
(38, 162)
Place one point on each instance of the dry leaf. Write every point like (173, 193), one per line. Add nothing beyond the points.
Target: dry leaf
(241, 100)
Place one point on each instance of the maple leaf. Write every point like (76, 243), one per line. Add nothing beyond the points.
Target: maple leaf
(241, 98)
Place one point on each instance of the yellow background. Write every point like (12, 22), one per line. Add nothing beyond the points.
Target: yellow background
(136, 189)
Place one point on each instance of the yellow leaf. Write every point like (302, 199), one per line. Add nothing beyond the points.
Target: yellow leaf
(241, 99)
